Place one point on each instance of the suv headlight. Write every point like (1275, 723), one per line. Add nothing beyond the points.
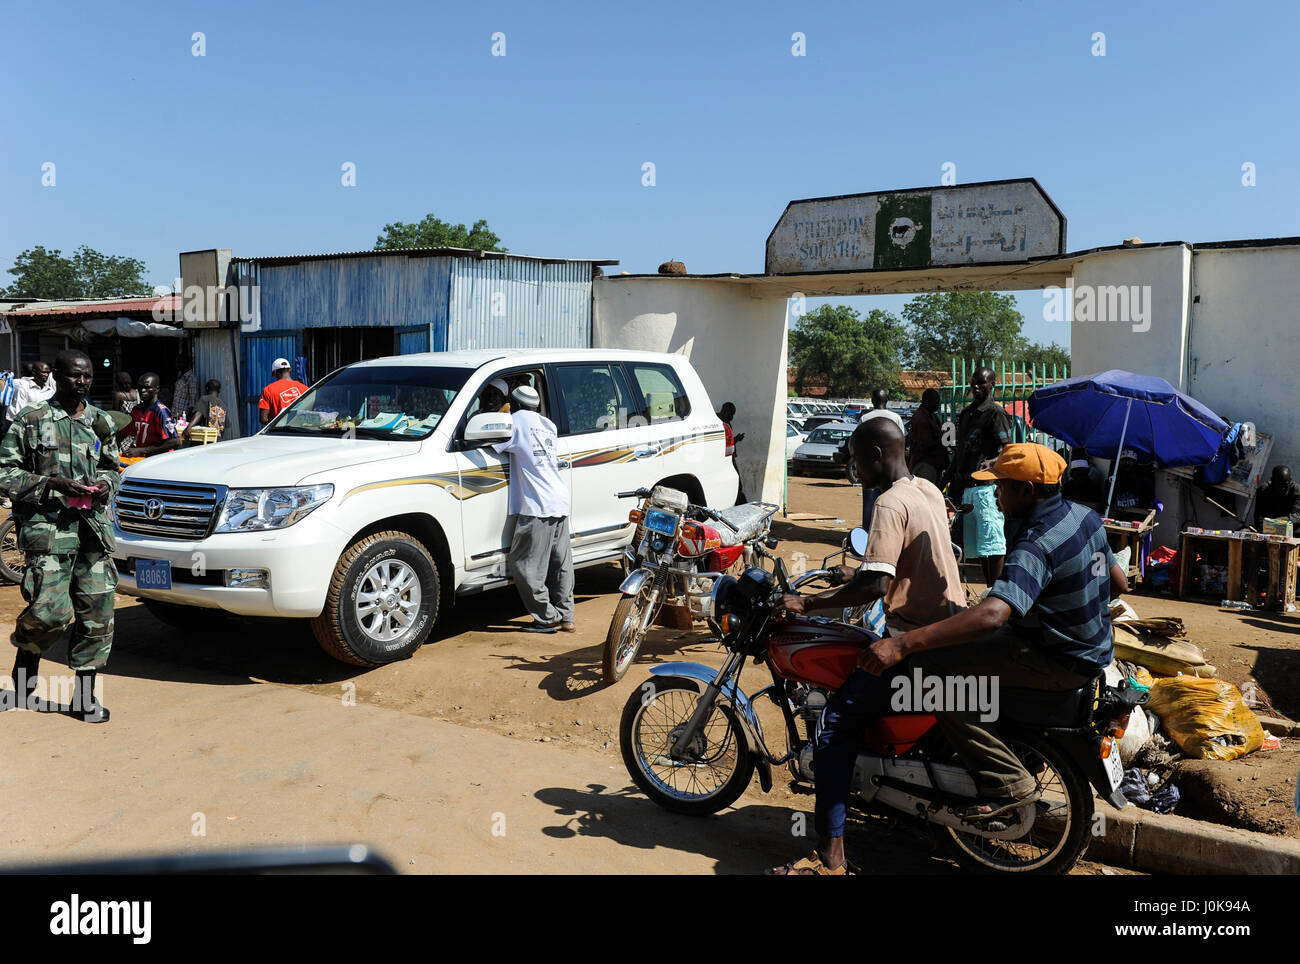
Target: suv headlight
(254, 510)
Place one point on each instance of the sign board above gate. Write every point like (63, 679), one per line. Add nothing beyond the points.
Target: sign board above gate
(984, 223)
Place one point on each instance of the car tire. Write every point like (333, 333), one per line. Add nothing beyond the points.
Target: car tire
(372, 632)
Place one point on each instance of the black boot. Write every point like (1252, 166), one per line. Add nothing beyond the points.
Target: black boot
(26, 669)
(84, 705)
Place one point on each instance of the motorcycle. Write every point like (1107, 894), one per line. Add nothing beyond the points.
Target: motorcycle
(672, 564)
(692, 741)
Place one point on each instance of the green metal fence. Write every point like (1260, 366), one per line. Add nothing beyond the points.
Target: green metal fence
(1016, 381)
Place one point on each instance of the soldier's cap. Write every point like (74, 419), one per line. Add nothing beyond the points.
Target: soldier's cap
(1025, 462)
(526, 397)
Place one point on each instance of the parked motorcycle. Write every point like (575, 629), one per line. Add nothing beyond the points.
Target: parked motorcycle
(691, 739)
(678, 552)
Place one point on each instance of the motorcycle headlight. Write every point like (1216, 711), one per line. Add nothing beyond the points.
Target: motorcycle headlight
(256, 510)
(719, 599)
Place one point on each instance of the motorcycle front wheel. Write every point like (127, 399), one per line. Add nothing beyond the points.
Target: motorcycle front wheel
(1062, 819)
(627, 629)
(717, 766)
(13, 561)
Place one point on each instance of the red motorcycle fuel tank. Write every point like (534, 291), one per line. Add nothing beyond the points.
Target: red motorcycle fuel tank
(823, 653)
(818, 652)
(720, 560)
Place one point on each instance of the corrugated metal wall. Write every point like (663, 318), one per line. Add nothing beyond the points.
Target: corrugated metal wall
(215, 357)
(260, 350)
(518, 304)
(355, 292)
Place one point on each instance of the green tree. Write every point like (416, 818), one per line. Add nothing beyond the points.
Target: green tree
(1045, 356)
(849, 354)
(979, 325)
(435, 233)
(42, 273)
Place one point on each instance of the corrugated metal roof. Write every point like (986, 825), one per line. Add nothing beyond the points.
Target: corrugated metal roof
(424, 253)
(98, 306)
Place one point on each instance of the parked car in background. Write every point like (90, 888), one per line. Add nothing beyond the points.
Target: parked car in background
(817, 454)
(793, 439)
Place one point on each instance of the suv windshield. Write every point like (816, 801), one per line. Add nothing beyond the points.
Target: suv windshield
(392, 402)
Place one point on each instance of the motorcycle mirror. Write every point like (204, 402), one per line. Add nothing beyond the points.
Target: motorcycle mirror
(858, 541)
(770, 542)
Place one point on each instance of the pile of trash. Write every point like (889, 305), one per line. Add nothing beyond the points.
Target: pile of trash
(1189, 715)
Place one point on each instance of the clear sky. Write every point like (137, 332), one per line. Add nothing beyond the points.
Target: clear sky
(158, 151)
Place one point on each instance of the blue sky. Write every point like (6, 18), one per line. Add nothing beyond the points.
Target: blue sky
(158, 151)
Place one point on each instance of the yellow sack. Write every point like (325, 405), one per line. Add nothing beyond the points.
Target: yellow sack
(1194, 711)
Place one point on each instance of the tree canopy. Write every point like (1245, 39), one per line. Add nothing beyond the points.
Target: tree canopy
(433, 232)
(976, 325)
(42, 273)
(849, 354)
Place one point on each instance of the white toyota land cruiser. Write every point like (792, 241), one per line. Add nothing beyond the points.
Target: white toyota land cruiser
(376, 497)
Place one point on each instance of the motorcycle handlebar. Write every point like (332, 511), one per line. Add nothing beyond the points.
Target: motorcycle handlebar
(635, 493)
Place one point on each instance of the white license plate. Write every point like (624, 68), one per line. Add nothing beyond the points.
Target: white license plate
(153, 574)
(1114, 767)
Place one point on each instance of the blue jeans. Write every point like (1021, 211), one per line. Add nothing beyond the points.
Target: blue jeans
(844, 720)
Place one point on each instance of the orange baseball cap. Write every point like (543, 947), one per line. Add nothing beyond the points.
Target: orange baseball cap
(1025, 462)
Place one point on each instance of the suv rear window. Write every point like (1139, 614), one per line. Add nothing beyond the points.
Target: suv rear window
(661, 395)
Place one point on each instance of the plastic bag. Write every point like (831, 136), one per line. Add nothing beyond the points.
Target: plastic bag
(1205, 717)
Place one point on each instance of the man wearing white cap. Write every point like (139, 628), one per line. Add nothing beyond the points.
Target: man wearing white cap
(281, 393)
(540, 559)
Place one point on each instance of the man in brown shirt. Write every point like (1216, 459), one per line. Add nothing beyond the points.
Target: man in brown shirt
(909, 561)
(909, 558)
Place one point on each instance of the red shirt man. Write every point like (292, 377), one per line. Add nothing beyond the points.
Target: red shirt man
(281, 393)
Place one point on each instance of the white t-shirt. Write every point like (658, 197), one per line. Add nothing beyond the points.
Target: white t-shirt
(536, 485)
(27, 394)
(882, 413)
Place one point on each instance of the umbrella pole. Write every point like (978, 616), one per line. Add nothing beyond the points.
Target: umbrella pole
(1123, 432)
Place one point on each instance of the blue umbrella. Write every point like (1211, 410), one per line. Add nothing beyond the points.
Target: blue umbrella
(1119, 410)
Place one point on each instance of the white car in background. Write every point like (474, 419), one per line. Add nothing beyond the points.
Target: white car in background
(817, 452)
(376, 498)
(793, 439)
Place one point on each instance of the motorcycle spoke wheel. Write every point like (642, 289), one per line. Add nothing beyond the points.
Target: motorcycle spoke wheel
(712, 773)
(1062, 814)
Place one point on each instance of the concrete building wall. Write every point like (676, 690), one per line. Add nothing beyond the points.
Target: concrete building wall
(1245, 340)
(1161, 348)
(735, 339)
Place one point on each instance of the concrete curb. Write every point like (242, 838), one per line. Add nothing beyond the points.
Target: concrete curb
(1279, 727)
(1168, 844)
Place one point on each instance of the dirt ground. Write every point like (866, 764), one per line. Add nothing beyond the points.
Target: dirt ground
(480, 673)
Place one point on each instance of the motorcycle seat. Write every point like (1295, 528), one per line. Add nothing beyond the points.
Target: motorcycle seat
(745, 522)
(1065, 708)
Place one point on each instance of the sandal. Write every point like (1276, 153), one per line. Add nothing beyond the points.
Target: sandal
(996, 807)
(810, 866)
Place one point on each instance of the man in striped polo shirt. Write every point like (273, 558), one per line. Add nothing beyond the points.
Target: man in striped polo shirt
(1044, 625)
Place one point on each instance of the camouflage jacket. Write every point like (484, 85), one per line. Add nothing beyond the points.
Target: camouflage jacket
(44, 441)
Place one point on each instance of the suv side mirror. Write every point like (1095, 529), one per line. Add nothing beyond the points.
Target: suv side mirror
(489, 427)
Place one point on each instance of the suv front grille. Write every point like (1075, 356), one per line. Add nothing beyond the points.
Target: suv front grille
(188, 510)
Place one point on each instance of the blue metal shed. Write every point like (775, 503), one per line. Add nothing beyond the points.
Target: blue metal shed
(327, 310)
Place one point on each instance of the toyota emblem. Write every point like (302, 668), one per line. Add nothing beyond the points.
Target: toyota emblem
(153, 509)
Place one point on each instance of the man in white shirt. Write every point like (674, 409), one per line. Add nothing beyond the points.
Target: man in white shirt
(540, 558)
(31, 391)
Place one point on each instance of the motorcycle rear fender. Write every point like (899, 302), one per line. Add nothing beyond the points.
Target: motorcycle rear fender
(700, 676)
(635, 582)
(1079, 750)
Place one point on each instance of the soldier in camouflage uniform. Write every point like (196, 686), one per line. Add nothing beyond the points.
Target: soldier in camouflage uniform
(59, 463)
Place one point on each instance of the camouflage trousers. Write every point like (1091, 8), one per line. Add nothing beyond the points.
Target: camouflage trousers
(66, 589)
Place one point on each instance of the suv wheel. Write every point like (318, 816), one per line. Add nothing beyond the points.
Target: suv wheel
(382, 601)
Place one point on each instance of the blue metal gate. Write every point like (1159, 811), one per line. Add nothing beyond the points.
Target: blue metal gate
(260, 349)
(412, 339)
